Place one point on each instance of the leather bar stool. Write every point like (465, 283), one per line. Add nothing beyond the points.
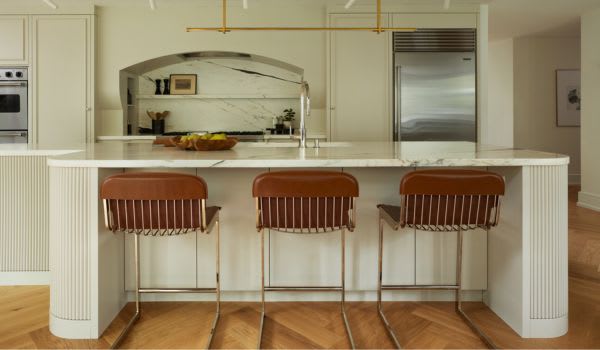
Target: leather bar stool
(159, 204)
(442, 200)
(305, 202)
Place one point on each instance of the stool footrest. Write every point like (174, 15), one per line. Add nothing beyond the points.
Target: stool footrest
(420, 287)
(303, 289)
(178, 290)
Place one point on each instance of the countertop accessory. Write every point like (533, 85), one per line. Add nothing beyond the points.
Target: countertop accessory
(442, 200)
(166, 90)
(184, 84)
(158, 121)
(157, 115)
(305, 203)
(157, 90)
(208, 145)
(127, 196)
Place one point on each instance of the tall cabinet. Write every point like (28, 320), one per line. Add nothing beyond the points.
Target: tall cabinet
(360, 73)
(63, 67)
(13, 40)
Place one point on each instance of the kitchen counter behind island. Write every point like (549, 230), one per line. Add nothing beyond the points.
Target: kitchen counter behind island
(522, 263)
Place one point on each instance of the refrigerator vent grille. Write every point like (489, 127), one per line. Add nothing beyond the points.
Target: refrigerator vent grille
(436, 40)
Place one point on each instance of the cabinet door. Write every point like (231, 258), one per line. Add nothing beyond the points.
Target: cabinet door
(360, 81)
(62, 79)
(13, 40)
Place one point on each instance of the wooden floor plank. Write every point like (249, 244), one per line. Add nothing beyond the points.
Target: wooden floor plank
(178, 325)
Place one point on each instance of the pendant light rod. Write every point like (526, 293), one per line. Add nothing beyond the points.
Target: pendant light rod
(225, 29)
(152, 4)
(245, 4)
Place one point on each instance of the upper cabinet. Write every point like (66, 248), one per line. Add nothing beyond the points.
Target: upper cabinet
(63, 98)
(360, 79)
(13, 40)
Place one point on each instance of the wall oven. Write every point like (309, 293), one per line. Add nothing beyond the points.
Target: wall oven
(13, 105)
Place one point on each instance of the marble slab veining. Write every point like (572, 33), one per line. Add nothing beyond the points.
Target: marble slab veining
(330, 155)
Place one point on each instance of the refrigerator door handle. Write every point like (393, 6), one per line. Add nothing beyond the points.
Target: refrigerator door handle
(397, 105)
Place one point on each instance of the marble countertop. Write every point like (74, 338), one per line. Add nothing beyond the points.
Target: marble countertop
(273, 155)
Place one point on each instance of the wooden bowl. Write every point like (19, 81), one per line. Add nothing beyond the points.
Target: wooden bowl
(169, 141)
(214, 145)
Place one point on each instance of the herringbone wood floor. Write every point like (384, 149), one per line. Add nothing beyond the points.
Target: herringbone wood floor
(24, 316)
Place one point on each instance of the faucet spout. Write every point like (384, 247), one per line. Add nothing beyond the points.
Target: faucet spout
(304, 111)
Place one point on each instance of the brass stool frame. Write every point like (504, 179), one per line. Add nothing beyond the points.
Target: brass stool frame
(433, 224)
(306, 228)
(156, 204)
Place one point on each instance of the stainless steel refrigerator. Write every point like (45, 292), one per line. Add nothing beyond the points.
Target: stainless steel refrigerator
(435, 86)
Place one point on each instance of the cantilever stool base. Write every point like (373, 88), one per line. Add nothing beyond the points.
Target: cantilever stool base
(305, 202)
(160, 204)
(442, 201)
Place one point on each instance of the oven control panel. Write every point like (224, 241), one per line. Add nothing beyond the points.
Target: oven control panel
(13, 74)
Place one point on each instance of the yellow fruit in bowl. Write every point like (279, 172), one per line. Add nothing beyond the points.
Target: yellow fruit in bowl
(217, 137)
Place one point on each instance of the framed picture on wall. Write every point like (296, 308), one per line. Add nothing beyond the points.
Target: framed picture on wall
(184, 84)
(568, 97)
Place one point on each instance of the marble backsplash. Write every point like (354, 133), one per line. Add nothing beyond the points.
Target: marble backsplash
(232, 94)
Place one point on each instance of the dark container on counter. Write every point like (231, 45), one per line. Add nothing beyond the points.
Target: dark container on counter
(158, 127)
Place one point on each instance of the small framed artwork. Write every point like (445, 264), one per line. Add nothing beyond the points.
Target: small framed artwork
(183, 84)
(568, 97)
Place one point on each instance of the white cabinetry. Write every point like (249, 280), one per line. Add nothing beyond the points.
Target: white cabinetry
(13, 40)
(361, 85)
(360, 81)
(63, 101)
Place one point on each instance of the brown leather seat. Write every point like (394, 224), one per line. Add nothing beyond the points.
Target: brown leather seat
(299, 200)
(443, 200)
(156, 201)
(446, 198)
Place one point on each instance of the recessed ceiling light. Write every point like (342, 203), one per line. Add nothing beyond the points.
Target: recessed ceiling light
(51, 4)
(349, 4)
(152, 4)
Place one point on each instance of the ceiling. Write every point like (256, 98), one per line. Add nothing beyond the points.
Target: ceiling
(515, 18)
(508, 18)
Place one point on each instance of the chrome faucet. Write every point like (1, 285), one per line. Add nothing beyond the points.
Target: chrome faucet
(304, 112)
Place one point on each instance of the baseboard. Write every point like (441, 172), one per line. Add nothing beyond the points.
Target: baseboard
(25, 278)
(589, 201)
(254, 296)
(574, 179)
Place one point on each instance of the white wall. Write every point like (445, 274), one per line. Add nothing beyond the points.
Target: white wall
(536, 60)
(590, 115)
(499, 130)
(128, 35)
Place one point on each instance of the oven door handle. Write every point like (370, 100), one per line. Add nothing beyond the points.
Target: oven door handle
(13, 83)
(11, 134)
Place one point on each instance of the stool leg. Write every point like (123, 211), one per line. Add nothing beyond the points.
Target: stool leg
(388, 327)
(218, 285)
(488, 342)
(136, 316)
(262, 284)
(343, 302)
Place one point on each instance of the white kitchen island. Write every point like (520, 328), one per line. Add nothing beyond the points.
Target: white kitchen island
(521, 264)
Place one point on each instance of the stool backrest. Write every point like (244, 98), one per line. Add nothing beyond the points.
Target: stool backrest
(305, 201)
(450, 199)
(154, 203)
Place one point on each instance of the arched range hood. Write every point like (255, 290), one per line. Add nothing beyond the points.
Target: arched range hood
(155, 63)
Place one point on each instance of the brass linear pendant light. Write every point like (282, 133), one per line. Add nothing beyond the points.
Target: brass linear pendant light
(225, 29)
